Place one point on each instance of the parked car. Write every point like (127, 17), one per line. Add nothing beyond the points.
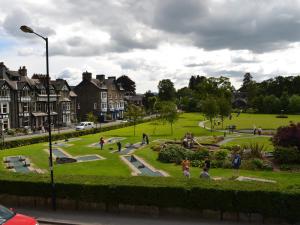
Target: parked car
(85, 125)
(9, 217)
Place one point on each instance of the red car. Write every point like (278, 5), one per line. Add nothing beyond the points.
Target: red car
(9, 217)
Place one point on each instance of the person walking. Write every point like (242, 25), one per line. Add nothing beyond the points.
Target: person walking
(236, 163)
(144, 138)
(119, 146)
(147, 139)
(101, 142)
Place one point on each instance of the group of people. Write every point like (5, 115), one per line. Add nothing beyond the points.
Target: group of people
(186, 168)
(236, 163)
(188, 140)
(101, 143)
(145, 140)
(257, 131)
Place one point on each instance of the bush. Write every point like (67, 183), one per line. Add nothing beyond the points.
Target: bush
(163, 192)
(226, 164)
(255, 150)
(287, 155)
(290, 167)
(287, 136)
(62, 136)
(197, 163)
(10, 132)
(173, 153)
(221, 154)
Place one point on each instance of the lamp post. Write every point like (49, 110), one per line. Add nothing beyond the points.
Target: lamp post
(27, 29)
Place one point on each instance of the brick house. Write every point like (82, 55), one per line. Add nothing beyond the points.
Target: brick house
(103, 97)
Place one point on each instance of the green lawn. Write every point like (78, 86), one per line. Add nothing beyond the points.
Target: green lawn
(283, 179)
(265, 121)
(113, 166)
(246, 139)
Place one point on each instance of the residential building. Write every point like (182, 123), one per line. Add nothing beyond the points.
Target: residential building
(23, 100)
(103, 97)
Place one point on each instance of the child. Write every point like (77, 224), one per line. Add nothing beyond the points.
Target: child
(119, 146)
(101, 142)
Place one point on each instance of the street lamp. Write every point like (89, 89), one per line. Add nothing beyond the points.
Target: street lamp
(27, 29)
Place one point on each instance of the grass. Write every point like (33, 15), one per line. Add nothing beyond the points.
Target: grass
(265, 121)
(246, 139)
(284, 179)
(113, 166)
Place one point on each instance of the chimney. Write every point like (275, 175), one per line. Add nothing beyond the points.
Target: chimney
(3, 70)
(100, 77)
(112, 78)
(23, 71)
(86, 76)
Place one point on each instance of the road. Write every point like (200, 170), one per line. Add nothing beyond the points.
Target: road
(64, 130)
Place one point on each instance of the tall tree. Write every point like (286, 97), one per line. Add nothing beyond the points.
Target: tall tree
(224, 108)
(210, 109)
(92, 118)
(127, 84)
(166, 90)
(147, 101)
(134, 113)
(168, 113)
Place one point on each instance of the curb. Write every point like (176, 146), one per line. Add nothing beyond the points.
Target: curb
(57, 222)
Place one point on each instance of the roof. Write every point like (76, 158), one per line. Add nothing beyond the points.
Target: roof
(72, 94)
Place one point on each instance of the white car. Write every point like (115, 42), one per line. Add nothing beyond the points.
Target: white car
(85, 125)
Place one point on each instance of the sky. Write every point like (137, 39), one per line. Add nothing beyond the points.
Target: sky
(151, 40)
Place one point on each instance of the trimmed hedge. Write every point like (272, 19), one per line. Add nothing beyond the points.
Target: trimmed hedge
(226, 196)
(66, 135)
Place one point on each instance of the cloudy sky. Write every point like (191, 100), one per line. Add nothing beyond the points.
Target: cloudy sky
(150, 40)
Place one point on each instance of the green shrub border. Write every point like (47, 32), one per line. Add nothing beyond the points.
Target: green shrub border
(66, 135)
(268, 200)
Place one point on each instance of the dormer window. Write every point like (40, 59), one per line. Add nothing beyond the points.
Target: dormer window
(43, 92)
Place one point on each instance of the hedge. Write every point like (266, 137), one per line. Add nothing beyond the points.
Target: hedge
(226, 196)
(66, 135)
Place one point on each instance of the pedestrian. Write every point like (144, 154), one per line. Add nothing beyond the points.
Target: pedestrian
(186, 168)
(236, 163)
(119, 146)
(101, 142)
(207, 164)
(144, 139)
(204, 174)
(254, 131)
(259, 131)
(147, 139)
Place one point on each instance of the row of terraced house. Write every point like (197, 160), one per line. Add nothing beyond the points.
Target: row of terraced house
(23, 100)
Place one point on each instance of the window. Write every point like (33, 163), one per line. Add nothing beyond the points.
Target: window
(25, 107)
(103, 105)
(103, 95)
(95, 105)
(4, 93)
(24, 93)
(5, 124)
(68, 106)
(109, 95)
(78, 105)
(43, 92)
(4, 108)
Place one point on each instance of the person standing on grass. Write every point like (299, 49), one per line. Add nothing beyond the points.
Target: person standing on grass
(119, 146)
(147, 139)
(207, 163)
(144, 139)
(236, 163)
(186, 168)
(101, 142)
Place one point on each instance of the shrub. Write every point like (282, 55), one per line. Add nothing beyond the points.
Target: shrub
(287, 136)
(10, 132)
(62, 136)
(294, 167)
(255, 150)
(287, 155)
(156, 147)
(221, 155)
(257, 163)
(221, 164)
(197, 163)
(176, 153)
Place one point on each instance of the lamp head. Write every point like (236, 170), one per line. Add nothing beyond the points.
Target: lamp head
(26, 29)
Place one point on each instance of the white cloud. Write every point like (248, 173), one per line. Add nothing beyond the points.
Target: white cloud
(153, 40)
